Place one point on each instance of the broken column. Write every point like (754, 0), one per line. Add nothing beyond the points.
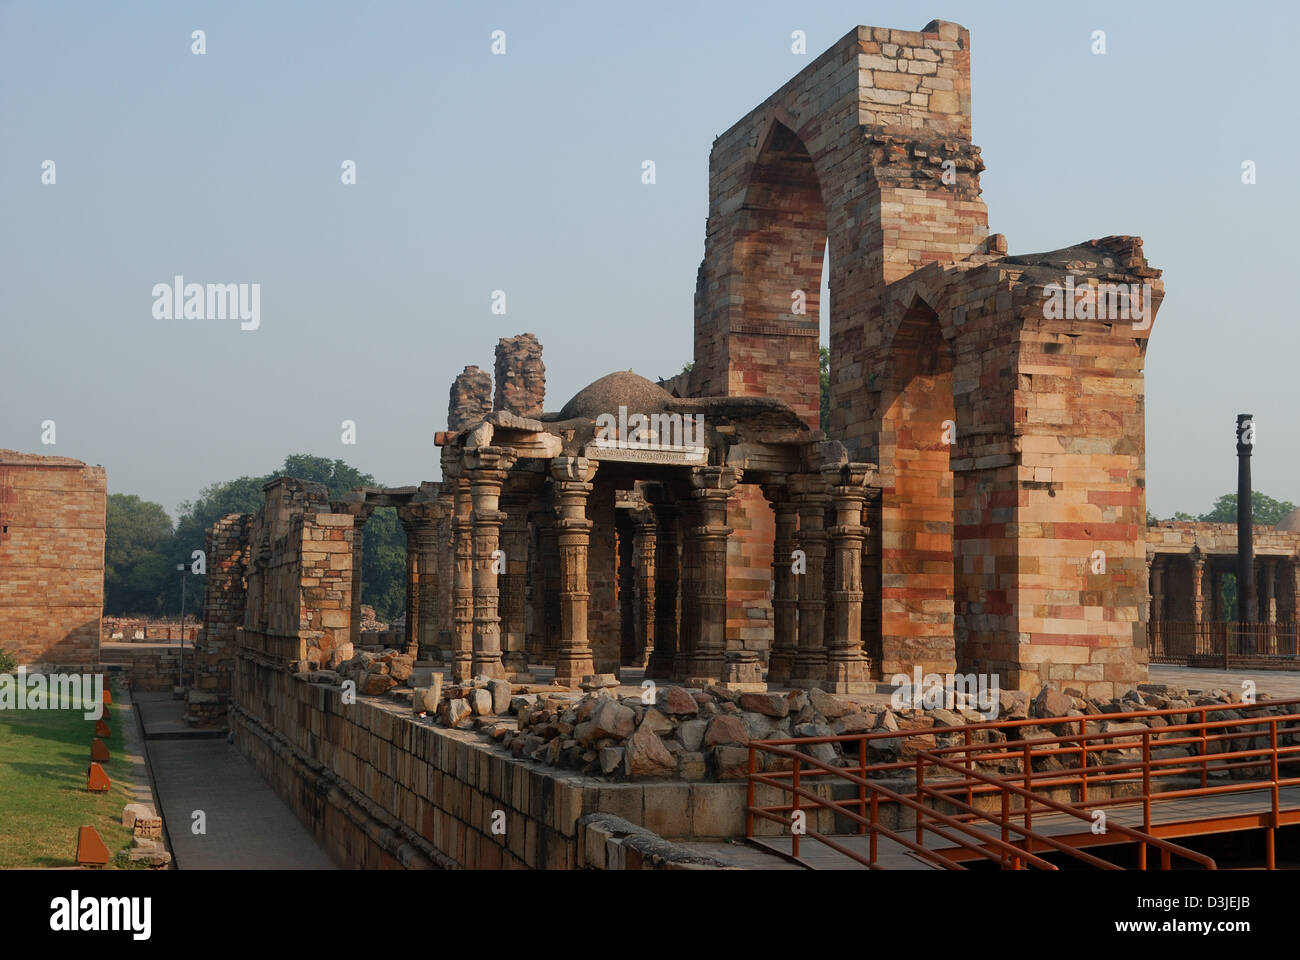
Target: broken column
(520, 376)
(471, 399)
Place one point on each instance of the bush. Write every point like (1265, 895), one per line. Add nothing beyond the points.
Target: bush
(7, 662)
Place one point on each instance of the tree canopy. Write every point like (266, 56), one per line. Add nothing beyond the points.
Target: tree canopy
(142, 547)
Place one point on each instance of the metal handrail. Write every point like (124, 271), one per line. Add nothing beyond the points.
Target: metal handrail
(972, 782)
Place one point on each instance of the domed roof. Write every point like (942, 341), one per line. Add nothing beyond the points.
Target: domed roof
(613, 390)
(1290, 523)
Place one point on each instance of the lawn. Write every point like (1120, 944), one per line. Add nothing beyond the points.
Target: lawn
(44, 755)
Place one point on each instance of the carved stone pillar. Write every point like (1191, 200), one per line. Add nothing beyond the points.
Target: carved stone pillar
(418, 520)
(785, 594)
(1198, 589)
(487, 468)
(1157, 603)
(848, 669)
(1270, 601)
(711, 487)
(625, 585)
(810, 500)
(667, 583)
(445, 545)
(360, 511)
(462, 642)
(644, 521)
(514, 583)
(572, 476)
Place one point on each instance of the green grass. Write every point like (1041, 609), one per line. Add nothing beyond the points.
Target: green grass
(44, 755)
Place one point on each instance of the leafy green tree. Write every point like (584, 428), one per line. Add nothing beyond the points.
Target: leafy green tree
(137, 543)
(1265, 511)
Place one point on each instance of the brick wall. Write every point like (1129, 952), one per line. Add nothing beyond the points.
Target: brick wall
(52, 515)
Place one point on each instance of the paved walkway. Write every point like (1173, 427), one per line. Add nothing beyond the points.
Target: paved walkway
(1280, 684)
(248, 826)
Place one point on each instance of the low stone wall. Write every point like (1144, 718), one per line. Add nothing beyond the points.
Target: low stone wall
(150, 666)
(379, 787)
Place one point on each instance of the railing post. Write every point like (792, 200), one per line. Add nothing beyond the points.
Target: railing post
(1272, 828)
(749, 794)
(970, 784)
(920, 799)
(1029, 788)
(862, 787)
(1146, 797)
(1006, 830)
(874, 825)
(794, 843)
(1083, 761)
(1205, 754)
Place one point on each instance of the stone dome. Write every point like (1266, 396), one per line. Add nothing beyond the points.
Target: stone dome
(613, 390)
(1290, 523)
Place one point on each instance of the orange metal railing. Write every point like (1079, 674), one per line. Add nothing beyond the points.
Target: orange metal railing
(1251, 744)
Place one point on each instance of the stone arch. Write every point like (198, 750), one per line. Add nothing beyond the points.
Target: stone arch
(917, 427)
(776, 270)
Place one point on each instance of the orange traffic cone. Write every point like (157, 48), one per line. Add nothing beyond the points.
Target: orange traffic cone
(91, 851)
(98, 751)
(96, 779)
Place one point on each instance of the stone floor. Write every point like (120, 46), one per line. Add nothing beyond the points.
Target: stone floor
(1281, 684)
(248, 826)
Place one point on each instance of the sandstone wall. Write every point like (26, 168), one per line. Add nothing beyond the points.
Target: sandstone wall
(52, 516)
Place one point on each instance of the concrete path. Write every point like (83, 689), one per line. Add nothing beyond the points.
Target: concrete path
(248, 826)
(1280, 684)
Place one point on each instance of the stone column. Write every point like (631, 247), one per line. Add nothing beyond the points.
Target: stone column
(445, 547)
(1270, 601)
(462, 642)
(1216, 594)
(514, 584)
(1198, 604)
(420, 520)
(487, 468)
(810, 660)
(785, 592)
(711, 487)
(848, 669)
(572, 476)
(360, 511)
(666, 584)
(411, 523)
(644, 520)
(1157, 602)
(625, 581)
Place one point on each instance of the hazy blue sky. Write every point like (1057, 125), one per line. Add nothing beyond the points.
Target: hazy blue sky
(523, 173)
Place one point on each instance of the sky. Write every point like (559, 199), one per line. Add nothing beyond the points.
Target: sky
(521, 172)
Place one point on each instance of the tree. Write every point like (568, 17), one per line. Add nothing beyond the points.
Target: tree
(137, 541)
(1265, 511)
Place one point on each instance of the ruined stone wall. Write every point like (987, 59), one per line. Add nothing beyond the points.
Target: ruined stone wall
(155, 667)
(520, 376)
(380, 788)
(52, 517)
(471, 398)
(224, 601)
(300, 574)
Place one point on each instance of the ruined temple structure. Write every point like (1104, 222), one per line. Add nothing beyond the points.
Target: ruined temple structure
(986, 442)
